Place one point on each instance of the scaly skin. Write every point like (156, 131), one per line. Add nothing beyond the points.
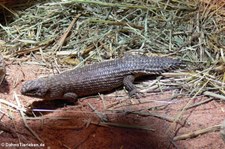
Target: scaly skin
(98, 78)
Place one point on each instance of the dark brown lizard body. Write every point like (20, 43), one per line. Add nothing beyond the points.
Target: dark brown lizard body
(97, 78)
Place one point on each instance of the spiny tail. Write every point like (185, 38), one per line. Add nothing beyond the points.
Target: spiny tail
(156, 65)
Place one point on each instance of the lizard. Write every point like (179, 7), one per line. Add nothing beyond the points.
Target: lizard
(99, 77)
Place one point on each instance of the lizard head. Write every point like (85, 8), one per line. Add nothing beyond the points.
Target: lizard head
(35, 88)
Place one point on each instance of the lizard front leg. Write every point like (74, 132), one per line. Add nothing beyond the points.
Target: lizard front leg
(70, 97)
(130, 87)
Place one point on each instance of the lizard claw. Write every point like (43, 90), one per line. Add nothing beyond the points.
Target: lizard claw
(136, 94)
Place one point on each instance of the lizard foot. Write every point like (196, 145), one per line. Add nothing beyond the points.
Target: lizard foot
(70, 97)
(136, 94)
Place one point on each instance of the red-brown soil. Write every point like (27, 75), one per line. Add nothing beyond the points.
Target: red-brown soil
(78, 126)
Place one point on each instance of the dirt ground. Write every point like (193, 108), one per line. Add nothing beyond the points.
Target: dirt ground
(82, 125)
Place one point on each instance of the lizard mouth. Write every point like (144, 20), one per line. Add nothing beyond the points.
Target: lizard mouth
(27, 92)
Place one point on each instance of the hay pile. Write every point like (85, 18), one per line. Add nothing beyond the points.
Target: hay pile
(76, 32)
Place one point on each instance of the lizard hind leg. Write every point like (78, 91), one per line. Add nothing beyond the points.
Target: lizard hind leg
(70, 97)
(130, 87)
